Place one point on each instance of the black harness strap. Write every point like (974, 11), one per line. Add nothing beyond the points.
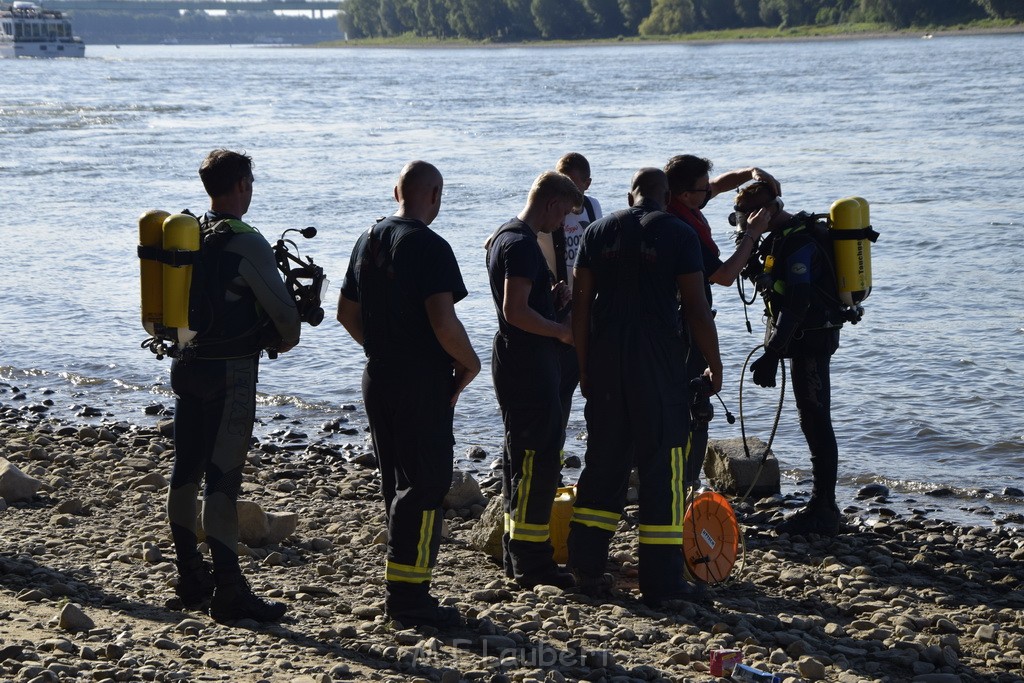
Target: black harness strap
(171, 257)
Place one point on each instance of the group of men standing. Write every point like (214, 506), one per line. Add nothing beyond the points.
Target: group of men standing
(618, 305)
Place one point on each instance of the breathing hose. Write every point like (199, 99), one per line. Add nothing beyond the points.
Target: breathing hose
(746, 449)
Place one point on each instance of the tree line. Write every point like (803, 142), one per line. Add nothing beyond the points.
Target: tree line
(113, 27)
(514, 20)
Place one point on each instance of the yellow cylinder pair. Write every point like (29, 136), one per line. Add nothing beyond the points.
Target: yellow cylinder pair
(164, 287)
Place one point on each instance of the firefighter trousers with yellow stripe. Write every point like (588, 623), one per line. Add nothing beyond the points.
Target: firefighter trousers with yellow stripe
(636, 416)
(411, 427)
(526, 381)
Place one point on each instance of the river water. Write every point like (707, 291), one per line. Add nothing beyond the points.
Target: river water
(927, 389)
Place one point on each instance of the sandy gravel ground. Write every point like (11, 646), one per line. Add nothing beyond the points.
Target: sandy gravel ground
(86, 585)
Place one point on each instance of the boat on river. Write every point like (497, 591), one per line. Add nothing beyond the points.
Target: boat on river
(28, 30)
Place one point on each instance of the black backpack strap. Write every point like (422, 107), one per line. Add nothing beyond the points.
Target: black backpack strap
(588, 206)
(561, 269)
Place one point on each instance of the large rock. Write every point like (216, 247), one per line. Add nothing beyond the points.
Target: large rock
(256, 527)
(464, 492)
(15, 485)
(729, 470)
(72, 618)
(486, 534)
(282, 525)
(253, 524)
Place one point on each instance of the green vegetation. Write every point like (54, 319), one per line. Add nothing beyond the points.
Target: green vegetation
(118, 27)
(453, 22)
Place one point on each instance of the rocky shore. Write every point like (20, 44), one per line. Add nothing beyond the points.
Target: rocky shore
(86, 583)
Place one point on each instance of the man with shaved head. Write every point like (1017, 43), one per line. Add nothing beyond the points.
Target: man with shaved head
(633, 270)
(398, 301)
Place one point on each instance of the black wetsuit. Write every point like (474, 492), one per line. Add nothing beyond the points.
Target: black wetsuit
(407, 388)
(216, 389)
(804, 321)
(526, 374)
(637, 394)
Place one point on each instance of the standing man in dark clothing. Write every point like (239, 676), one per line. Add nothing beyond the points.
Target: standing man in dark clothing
(559, 250)
(692, 187)
(630, 268)
(794, 273)
(398, 301)
(216, 392)
(525, 369)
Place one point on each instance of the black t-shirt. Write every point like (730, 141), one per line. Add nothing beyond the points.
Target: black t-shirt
(412, 263)
(514, 252)
(668, 248)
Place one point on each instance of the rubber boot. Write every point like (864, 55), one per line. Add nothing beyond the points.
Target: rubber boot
(234, 600)
(195, 583)
(820, 516)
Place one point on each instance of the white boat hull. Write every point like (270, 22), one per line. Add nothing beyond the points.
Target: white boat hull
(42, 49)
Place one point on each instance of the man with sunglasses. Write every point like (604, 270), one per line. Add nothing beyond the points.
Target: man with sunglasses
(692, 187)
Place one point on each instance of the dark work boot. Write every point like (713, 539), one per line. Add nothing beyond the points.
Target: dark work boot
(817, 517)
(661, 577)
(594, 586)
(234, 600)
(195, 583)
(412, 606)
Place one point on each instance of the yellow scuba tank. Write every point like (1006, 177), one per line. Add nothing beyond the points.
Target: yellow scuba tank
(852, 251)
(180, 233)
(151, 271)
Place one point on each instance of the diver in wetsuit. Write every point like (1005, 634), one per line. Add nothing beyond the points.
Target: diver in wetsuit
(793, 270)
(247, 308)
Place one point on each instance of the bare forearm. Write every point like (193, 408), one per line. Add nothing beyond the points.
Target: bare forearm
(533, 322)
(730, 270)
(455, 341)
(351, 318)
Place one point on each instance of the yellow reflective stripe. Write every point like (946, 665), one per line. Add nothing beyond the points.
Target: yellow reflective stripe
(655, 534)
(521, 531)
(405, 573)
(601, 519)
(524, 487)
(426, 533)
(679, 458)
(508, 522)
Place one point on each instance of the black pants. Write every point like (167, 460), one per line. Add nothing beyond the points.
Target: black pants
(636, 404)
(813, 394)
(411, 427)
(526, 381)
(695, 367)
(569, 379)
(213, 421)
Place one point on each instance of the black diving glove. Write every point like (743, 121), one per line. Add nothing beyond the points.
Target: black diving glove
(765, 368)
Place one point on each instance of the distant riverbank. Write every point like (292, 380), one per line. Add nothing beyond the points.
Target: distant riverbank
(752, 34)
